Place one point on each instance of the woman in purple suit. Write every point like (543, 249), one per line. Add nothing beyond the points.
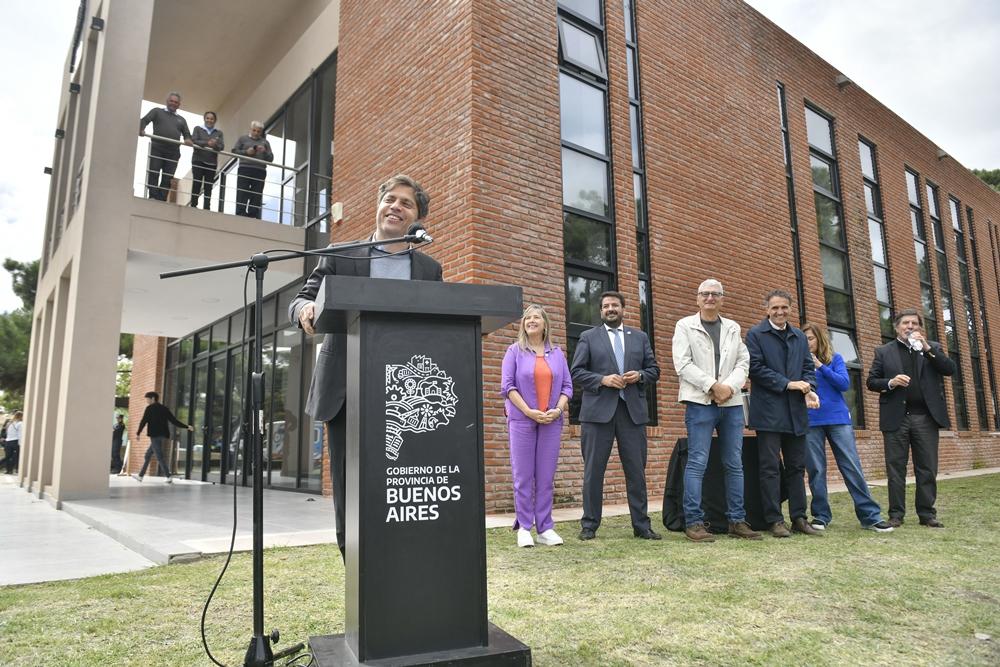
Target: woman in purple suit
(537, 385)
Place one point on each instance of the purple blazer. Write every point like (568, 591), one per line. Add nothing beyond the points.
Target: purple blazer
(518, 372)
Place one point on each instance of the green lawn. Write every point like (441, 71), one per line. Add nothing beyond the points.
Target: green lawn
(914, 596)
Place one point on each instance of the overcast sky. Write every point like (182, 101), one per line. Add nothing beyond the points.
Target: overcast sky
(933, 62)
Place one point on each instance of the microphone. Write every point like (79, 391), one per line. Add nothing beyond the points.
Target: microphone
(417, 234)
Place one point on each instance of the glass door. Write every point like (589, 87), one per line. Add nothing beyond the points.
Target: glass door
(235, 472)
(217, 418)
(196, 466)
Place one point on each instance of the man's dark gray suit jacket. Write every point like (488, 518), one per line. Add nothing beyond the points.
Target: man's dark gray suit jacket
(594, 359)
(328, 391)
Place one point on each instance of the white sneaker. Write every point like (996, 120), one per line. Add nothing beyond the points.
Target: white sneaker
(170, 480)
(524, 538)
(550, 538)
(819, 524)
(137, 478)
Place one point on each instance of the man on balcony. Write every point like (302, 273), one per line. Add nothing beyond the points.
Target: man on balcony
(163, 155)
(205, 160)
(250, 184)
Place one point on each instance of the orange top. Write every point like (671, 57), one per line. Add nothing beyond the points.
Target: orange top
(543, 382)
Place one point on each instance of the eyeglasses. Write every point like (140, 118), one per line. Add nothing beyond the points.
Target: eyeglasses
(706, 295)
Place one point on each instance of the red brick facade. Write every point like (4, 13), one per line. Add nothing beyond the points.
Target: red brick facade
(149, 356)
(467, 101)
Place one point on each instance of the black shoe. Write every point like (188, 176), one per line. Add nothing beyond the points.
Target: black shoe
(895, 521)
(646, 534)
(587, 534)
(931, 523)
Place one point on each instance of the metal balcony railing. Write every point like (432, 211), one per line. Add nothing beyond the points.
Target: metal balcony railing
(282, 195)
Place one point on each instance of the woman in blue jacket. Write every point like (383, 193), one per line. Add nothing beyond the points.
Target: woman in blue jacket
(832, 421)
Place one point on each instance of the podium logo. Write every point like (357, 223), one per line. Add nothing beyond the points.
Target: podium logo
(419, 398)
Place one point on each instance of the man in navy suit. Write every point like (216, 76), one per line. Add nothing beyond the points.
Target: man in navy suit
(612, 364)
(907, 372)
(401, 202)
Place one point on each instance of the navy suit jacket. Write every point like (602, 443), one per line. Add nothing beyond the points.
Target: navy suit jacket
(774, 362)
(594, 359)
(328, 390)
(892, 402)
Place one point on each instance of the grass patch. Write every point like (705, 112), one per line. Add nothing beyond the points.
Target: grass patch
(914, 596)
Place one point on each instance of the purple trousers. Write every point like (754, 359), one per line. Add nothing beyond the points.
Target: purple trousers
(534, 453)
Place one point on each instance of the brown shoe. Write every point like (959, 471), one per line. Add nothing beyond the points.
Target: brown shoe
(742, 530)
(697, 533)
(779, 529)
(895, 521)
(931, 523)
(800, 525)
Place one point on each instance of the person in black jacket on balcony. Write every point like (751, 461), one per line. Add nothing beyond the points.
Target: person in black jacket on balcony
(163, 155)
(208, 140)
(250, 184)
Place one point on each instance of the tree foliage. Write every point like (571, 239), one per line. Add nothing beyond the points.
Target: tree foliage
(123, 377)
(24, 276)
(989, 176)
(15, 334)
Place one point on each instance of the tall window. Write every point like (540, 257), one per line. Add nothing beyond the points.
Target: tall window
(920, 249)
(588, 216)
(639, 187)
(954, 208)
(833, 253)
(947, 307)
(792, 214)
(876, 235)
(984, 322)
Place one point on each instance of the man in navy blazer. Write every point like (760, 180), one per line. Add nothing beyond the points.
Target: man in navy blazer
(783, 384)
(907, 372)
(401, 202)
(612, 365)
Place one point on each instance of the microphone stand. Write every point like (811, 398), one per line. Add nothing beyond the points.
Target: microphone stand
(259, 652)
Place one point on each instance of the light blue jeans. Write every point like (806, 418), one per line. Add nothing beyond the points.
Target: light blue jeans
(845, 452)
(701, 421)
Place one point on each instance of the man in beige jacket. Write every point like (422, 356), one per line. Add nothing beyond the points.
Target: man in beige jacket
(712, 361)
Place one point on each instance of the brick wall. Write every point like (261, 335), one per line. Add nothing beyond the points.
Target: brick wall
(149, 356)
(464, 97)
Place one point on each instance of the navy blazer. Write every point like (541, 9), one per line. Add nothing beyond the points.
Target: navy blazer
(328, 389)
(594, 359)
(774, 362)
(892, 402)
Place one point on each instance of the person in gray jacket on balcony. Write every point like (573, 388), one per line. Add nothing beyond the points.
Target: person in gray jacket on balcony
(205, 160)
(163, 155)
(250, 184)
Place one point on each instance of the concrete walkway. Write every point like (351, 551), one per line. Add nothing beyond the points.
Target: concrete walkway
(141, 525)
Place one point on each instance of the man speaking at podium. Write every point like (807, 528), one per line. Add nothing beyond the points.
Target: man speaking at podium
(401, 203)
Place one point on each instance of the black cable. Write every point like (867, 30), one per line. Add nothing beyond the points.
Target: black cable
(232, 538)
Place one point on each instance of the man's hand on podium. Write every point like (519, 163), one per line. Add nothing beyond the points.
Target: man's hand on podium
(306, 318)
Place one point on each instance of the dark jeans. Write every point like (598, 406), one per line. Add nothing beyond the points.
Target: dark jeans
(11, 452)
(156, 447)
(202, 179)
(116, 456)
(336, 440)
(595, 443)
(159, 173)
(249, 189)
(773, 449)
(919, 432)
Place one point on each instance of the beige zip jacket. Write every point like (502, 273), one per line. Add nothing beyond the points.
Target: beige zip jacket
(694, 360)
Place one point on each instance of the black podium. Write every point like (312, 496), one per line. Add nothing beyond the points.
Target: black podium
(415, 529)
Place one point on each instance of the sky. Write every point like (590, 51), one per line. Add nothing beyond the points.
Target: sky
(934, 63)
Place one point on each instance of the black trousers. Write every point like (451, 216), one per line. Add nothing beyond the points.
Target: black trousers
(919, 433)
(161, 169)
(773, 449)
(595, 443)
(116, 456)
(11, 452)
(202, 178)
(249, 189)
(336, 440)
